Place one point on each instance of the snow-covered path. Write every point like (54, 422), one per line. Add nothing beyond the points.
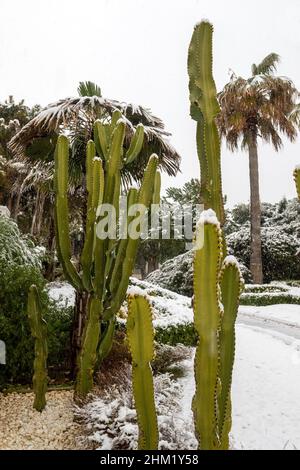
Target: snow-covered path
(265, 390)
(282, 318)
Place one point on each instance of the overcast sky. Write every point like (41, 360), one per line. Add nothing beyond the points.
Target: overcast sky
(136, 50)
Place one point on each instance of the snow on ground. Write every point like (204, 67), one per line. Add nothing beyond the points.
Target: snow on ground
(266, 378)
(266, 384)
(288, 314)
(265, 391)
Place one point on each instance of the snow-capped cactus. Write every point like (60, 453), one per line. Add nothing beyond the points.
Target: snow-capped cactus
(39, 332)
(297, 179)
(204, 109)
(207, 319)
(217, 288)
(106, 263)
(231, 286)
(140, 336)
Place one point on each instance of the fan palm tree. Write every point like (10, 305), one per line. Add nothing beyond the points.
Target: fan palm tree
(76, 116)
(260, 107)
(34, 145)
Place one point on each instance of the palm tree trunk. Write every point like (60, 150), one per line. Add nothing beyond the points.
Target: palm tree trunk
(38, 213)
(255, 214)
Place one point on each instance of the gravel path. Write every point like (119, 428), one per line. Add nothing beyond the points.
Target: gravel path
(21, 427)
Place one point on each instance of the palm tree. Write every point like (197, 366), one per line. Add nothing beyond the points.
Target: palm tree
(33, 150)
(260, 107)
(77, 115)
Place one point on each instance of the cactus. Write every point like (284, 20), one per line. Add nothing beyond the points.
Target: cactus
(204, 109)
(297, 179)
(105, 264)
(207, 318)
(217, 288)
(140, 337)
(231, 284)
(39, 332)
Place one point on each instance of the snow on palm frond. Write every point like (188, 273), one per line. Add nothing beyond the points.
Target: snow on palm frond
(76, 117)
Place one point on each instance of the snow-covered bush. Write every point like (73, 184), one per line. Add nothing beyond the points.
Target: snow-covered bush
(175, 274)
(280, 252)
(19, 268)
(110, 420)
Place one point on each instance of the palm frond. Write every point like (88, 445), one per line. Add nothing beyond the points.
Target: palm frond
(88, 89)
(295, 115)
(267, 66)
(76, 116)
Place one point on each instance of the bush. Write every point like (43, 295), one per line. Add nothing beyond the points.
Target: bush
(19, 268)
(280, 252)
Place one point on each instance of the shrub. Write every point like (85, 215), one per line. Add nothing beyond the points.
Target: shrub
(19, 268)
(280, 252)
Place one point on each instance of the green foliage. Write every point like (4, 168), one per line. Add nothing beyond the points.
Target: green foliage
(106, 263)
(140, 337)
(177, 334)
(88, 89)
(204, 109)
(19, 269)
(38, 328)
(188, 194)
(215, 283)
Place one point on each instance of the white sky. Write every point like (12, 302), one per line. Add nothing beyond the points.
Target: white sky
(136, 50)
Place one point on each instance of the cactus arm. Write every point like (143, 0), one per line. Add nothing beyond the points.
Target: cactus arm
(101, 139)
(136, 144)
(144, 199)
(62, 211)
(38, 331)
(297, 180)
(231, 284)
(95, 181)
(88, 353)
(204, 109)
(116, 115)
(122, 245)
(207, 316)
(140, 337)
(111, 194)
(106, 340)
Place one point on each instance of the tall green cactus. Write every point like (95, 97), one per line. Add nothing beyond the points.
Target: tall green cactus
(106, 263)
(39, 332)
(217, 288)
(204, 109)
(140, 337)
(217, 278)
(297, 179)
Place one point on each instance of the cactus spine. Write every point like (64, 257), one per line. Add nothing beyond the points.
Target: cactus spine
(105, 263)
(217, 288)
(297, 179)
(140, 337)
(39, 332)
(204, 109)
